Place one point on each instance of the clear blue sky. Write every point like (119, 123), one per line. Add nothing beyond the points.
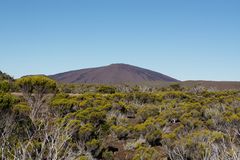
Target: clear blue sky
(185, 39)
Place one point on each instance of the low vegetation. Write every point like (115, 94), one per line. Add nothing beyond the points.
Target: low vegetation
(48, 121)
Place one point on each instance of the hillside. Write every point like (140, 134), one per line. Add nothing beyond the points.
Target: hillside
(212, 85)
(108, 123)
(114, 73)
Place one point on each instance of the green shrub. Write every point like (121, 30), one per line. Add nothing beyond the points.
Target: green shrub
(144, 128)
(121, 131)
(147, 111)
(83, 158)
(5, 76)
(154, 138)
(6, 101)
(107, 155)
(4, 86)
(176, 86)
(36, 84)
(85, 131)
(93, 145)
(106, 89)
(62, 106)
(145, 153)
(21, 109)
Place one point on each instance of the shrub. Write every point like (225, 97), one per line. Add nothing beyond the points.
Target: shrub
(6, 101)
(106, 89)
(175, 87)
(36, 84)
(145, 153)
(85, 131)
(5, 76)
(121, 131)
(4, 86)
(154, 138)
(93, 145)
(107, 155)
(144, 128)
(21, 109)
(147, 111)
(62, 106)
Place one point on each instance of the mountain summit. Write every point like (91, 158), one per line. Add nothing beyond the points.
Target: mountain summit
(114, 73)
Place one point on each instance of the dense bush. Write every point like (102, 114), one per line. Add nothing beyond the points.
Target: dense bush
(5, 76)
(4, 86)
(106, 89)
(121, 131)
(104, 123)
(147, 111)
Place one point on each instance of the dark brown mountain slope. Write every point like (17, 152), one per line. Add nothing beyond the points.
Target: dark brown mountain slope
(114, 73)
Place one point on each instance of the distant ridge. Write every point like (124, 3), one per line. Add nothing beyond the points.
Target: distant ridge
(114, 73)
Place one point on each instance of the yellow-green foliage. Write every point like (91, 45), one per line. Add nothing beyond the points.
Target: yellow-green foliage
(148, 126)
(21, 109)
(85, 131)
(83, 158)
(4, 86)
(147, 111)
(63, 105)
(145, 153)
(6, 101)
(175, 121)
(108, 155)
(39, 84)
(120, 131)
(106, 89)
(93, 145)
(201, 141)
